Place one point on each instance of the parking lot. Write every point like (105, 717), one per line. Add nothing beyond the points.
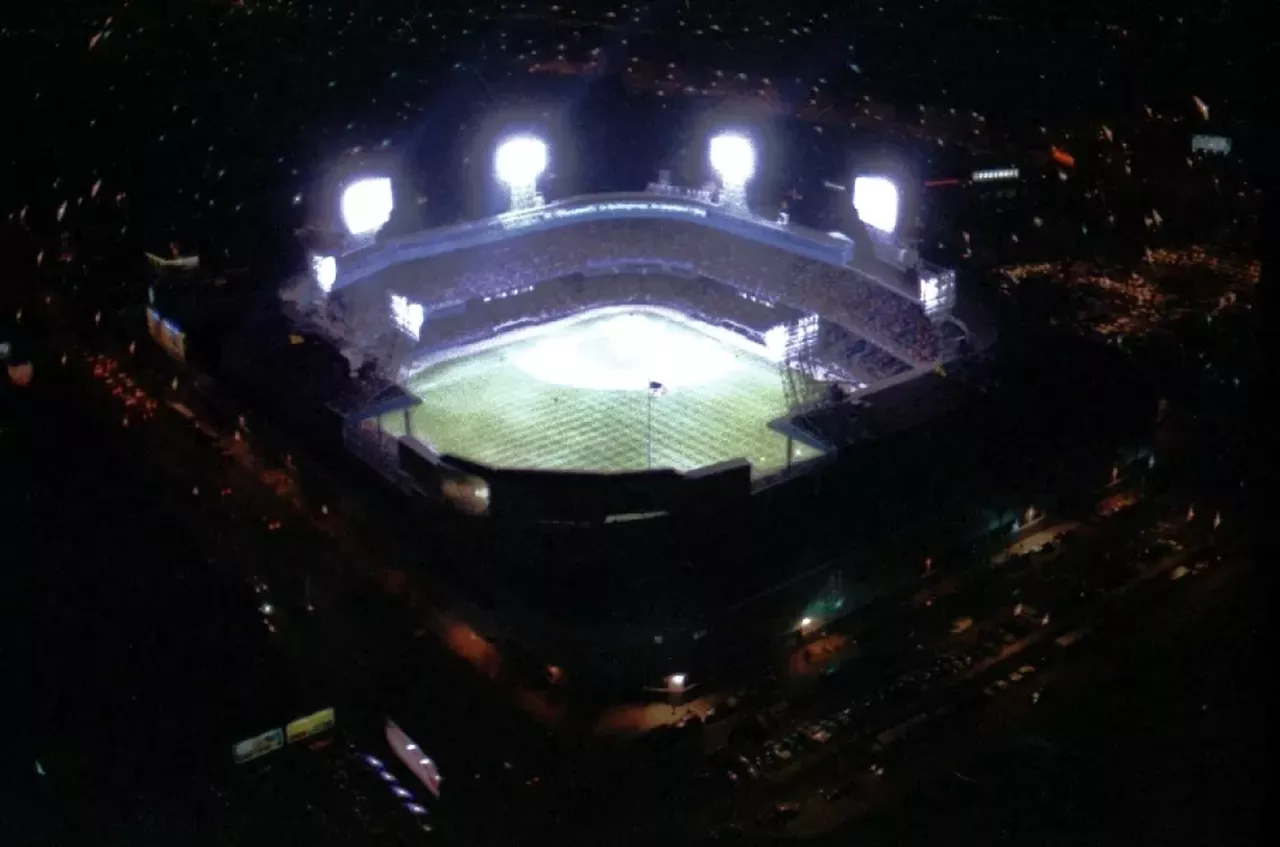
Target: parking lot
(1021, 618)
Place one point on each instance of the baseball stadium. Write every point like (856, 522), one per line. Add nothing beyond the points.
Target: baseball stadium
(643, 348)
(650, 430)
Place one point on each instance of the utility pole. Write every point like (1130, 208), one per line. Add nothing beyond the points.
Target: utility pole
(648, 439)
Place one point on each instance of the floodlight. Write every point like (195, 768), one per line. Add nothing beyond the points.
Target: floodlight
(325, 270)
(930, 295)
(875, 198)
(517, 164)
(366, 205)
(407, 315)
(775, 341)
(733, 158)
(520, 160)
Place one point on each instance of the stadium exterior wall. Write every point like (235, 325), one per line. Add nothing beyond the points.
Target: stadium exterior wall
(571, 497)
(936, 476)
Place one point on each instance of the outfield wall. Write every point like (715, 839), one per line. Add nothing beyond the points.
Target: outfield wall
(542, 496)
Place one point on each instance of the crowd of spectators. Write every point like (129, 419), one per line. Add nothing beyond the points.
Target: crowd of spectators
(551, 300)
(839, 294)
(865, 361)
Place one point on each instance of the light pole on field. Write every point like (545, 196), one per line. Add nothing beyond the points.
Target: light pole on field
(656, 389)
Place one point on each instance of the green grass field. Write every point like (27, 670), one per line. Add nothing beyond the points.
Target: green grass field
(574, 396)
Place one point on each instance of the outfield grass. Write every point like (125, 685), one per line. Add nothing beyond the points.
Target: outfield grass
(574, 395)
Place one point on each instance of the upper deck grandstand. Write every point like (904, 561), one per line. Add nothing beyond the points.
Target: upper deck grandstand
(807, 271)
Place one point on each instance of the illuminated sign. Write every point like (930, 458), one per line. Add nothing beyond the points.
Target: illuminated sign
(261, 745)
(995, 174)
(314, 724)
(1219, 144)
(937, 288)
(407, 315)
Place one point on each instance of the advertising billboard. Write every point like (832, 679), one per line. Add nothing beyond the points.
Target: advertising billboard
(1218, 144)
(313, 724)
(260, 745)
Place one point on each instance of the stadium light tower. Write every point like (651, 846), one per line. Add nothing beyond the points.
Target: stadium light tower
(517, 163)
(366, 206)
(325, 271)
(876, 200)
(733, 158)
